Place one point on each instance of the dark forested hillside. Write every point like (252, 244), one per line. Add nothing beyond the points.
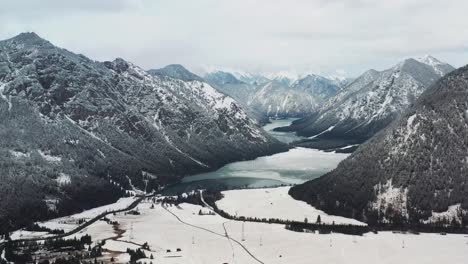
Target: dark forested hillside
(415, 170)
(75, 132)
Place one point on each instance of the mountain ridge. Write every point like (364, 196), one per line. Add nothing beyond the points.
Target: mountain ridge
(109, 125)
(366, 105)
(410, 171)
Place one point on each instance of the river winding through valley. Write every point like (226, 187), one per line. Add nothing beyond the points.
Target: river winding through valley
(293, 167)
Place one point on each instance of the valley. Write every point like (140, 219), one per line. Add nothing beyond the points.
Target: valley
(110, 162)
(296, 166)
(186, 233)
(169, 232)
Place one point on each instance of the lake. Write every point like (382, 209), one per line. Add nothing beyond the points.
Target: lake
(293, 167)
(286, 137)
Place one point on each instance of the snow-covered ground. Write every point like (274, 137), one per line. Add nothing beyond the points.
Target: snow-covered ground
(274, 203)
(202, 239)
(68, 223)
(205, 239)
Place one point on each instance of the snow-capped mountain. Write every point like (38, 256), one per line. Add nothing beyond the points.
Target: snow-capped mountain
(440, 67)
(176, 71)
(279, 97)
(251, 78)
(240, 91)
(302, 97)
(413, 171)
(369, 103)
(319, 86)
(101, 125)
(285, 78)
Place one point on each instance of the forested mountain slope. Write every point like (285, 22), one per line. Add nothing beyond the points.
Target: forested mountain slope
(74, 131)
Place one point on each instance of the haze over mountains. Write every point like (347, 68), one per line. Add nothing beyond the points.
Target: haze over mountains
(74, 131)
(413, 171)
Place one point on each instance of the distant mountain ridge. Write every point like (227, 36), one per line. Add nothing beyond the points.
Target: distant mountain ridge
(278, 97)
(368, 104)
(104, 127)
(414, 171)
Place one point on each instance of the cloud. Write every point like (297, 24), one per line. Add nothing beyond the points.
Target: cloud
(318, 36)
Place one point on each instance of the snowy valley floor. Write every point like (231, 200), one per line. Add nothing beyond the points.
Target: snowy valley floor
(206, 239)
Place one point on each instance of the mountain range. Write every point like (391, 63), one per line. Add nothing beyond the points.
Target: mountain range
(368, 104)
(278, 97)
(75, 132)
(413, 171)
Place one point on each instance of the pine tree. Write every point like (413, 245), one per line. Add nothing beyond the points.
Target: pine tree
(319, 220)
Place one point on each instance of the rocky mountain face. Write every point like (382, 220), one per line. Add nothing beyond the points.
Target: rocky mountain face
(240, 91)
(228, 84)
(368, 104)
(302, 97)
(413, 171)
(74, 132)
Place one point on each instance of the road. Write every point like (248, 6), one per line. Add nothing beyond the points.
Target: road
(82, 226)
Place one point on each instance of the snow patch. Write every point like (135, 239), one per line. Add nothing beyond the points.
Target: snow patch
(63, 179)
(323, 132)
(453, 213)
(19, 154)
(7, 99)
(48, 157)
(390, 196)
(410, 128)
(349, 146)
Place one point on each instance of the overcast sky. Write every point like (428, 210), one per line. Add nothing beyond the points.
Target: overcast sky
(327, 37)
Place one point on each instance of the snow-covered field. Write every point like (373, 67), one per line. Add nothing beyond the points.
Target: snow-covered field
(203, 239)
(271, 243)
(274, 203)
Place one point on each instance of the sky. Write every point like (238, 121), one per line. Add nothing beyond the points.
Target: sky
(328, 37)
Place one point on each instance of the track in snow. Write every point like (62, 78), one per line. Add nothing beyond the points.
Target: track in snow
(210, 231)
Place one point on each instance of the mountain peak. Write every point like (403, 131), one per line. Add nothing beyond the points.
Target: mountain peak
(429, 60)
(410, 65)
(176, 71)
(222, 78)
(29, 38)
(176, 66)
